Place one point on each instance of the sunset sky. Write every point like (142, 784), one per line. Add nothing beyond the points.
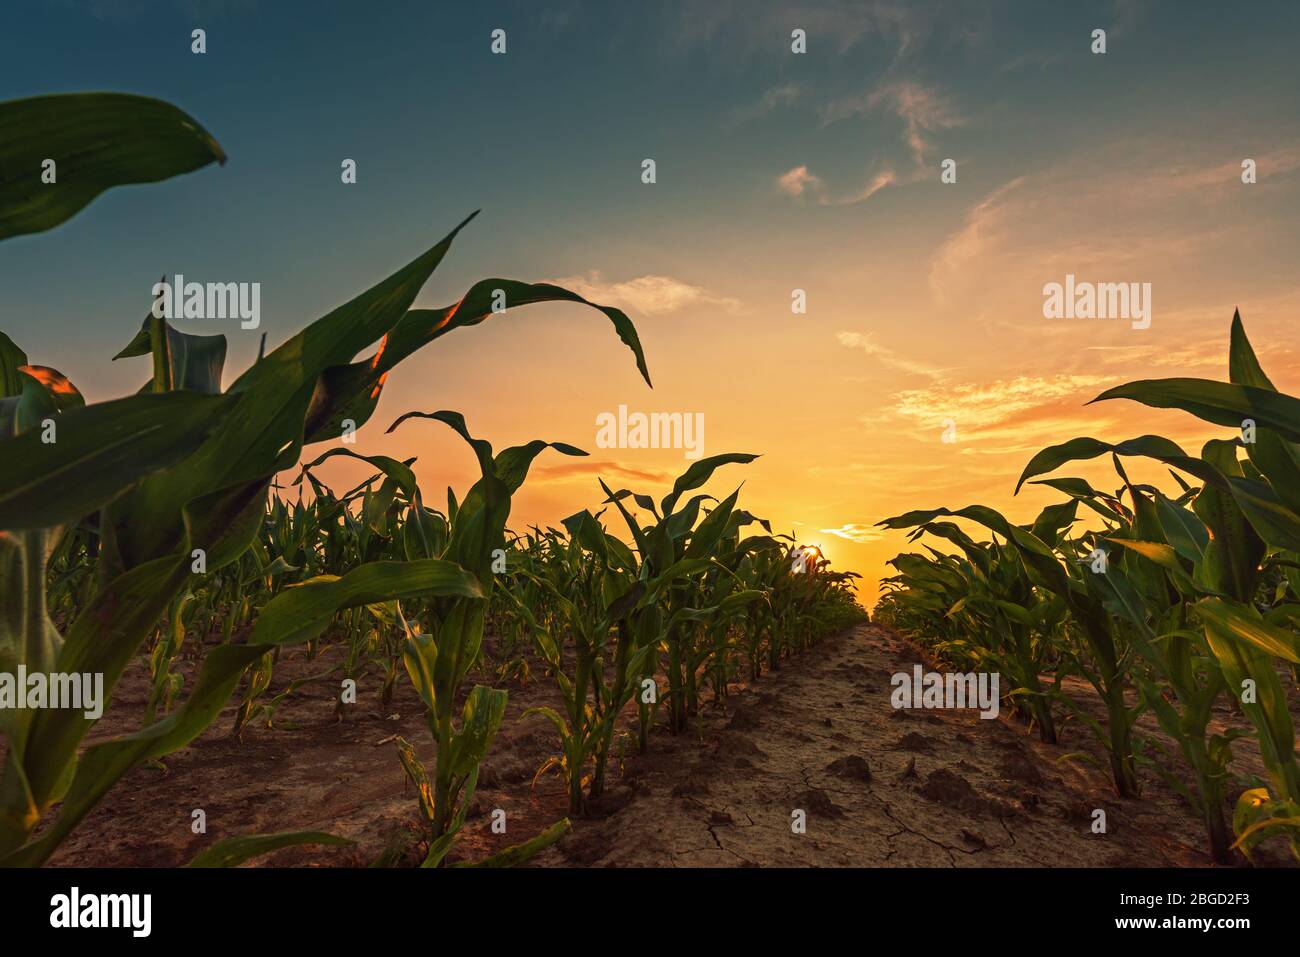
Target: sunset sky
(775, 171)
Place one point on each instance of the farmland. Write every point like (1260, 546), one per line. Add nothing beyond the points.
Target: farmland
(247, 619)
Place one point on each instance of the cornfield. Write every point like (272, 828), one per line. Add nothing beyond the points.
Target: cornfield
(1178, 601)
(153, 525)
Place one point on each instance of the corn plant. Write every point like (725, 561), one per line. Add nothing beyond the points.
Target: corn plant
(1182, 598)
(175, 478)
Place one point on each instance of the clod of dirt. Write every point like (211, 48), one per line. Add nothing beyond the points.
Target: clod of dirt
(971, 837)
(852, 767)
(610, 802)
(946, 787)
(1080, 812)
(690, 788)
(745, 719)
(817, 803)
(909, 772)
(1017, 766)
(584, 848)
(720, 817)
(914, 741)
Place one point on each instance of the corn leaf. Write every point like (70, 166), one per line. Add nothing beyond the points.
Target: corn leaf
(98, 141)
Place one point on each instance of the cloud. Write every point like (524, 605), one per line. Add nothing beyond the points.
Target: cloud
(800, 181)
(922, 110)
(649, 295)
(867, 343)
(856, 532)
(981, 405)
(1208, 353)
(981, 229)
(778, 96)
(573, 470)
(1137, 209)
(885, 177)
(797, 181)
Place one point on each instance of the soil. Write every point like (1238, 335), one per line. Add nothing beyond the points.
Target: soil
(877, 786)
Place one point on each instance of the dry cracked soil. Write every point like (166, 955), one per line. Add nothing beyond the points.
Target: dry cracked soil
(878, 787)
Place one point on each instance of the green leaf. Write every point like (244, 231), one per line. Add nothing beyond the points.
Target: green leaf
(519, 853)
(263, 433)
(1243, 366)
(11, 357)
(234, 851)
(1218, 402)
(353, 391)
(194, 362)
(303, 611)
(98, 141)
(699, 473)
(1053, 457)
(100, 450)
(1234, 620)
(480, 719)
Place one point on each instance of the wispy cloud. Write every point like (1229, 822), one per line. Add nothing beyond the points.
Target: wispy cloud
(650, 295)
(923, 111)
(797, 181)
(868, 344)
(856, 532)
(800, 181)
(786, 94)
(980, 405)
(1137, 209)
(587, 468)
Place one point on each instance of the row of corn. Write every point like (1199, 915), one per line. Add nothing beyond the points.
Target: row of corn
(128, 526)
(1173, 603)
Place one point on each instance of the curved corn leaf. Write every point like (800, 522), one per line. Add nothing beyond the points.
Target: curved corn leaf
(1220, 403)
(303, 611)
(1234, 620)
(234, 851)
(97, 140)
(519, 853)
(353, 391)
(263, 432)
(699, 473)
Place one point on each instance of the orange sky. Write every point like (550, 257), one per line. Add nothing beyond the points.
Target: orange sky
(775, 172)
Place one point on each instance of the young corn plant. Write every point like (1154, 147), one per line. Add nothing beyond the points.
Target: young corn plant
(175, 478)
(439, 656)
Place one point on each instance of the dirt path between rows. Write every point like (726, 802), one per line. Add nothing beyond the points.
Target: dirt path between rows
(880, 787)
